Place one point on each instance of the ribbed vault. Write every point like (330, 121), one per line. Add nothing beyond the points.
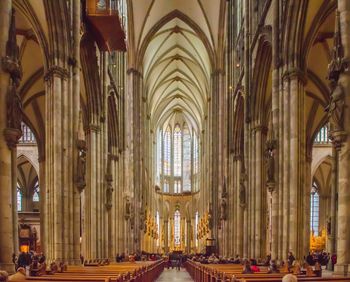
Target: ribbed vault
(176, 69)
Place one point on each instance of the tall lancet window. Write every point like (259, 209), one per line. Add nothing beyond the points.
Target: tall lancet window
(196, 228)
(186, 159)
(195, 154)
(167, 151)
(177, 150)
(19, 198)
(177, 228)
(159, 156)
(315, 208)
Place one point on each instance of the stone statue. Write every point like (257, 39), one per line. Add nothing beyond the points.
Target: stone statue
(242, 193)
(109, 192)
(14, 108)
(210, 216)
(270, 160)
(329, 226)
(127, 208)
(223, 209)
(81, 168)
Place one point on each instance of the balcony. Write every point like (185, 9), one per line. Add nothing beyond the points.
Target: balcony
(106, 24)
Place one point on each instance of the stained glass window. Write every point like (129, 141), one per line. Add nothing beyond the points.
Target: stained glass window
(315, 208)
(36, 192)
(166, 186)
(167, 151)
(177, 228)
(177, 150)
(177, 186)
(195, 154)
(196, 228)
(322, 136)
(186, 159)
(159, 155)
(19, 199)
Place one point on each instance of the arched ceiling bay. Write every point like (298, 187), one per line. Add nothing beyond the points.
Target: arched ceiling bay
(175, 41)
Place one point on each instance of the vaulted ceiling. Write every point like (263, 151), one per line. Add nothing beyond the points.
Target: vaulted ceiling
(175, 44)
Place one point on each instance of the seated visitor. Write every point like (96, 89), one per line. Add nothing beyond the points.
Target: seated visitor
(318, 269)
(254, 265)
(3, 276)
(310, 259)
(291, 259)
(211, 258)
(273, 267)
(19, 275)
(296, 268)
(247, 268)
(289, 278)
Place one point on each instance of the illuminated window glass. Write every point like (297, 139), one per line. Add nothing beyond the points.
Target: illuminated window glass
(166, 186)
(195, 154)
(177, 150)
(159, 155)
(177, 186)
(315, 208)
(322, 136)
(196, 228)
(19, 199)
(177, 228)
(167, 151)
(186, 159)
(36, 192)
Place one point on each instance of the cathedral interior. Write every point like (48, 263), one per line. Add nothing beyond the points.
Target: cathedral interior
(175, 126)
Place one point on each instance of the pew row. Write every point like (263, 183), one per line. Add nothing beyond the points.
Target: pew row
(122, 272)
(224, 273)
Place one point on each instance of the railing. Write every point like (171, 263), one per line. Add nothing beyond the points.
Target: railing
(108, 7)
(27, 135)
(322, 136)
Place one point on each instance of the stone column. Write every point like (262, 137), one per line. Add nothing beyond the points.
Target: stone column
(275, 127)
(43, 226)
(166, 236)
(188, 239)
(6, 194)
(342, 135)
(333, 211)
(14, 198)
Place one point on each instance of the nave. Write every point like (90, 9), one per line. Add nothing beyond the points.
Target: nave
(211, 129)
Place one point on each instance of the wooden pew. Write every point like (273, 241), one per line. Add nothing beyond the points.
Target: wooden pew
(121, 272)
(224, 272)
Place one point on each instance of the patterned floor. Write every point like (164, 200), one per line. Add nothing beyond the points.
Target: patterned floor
(173, 275)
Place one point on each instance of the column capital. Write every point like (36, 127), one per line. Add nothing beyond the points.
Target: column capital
(56, 70)
(134, 71)
(295, 73)
(12, 135)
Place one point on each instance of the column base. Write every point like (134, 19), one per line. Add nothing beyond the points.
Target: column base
(342, 269)
(8, 267)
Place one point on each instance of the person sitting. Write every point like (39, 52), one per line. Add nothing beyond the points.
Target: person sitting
(19, 275)
(289, 278)
(3, 276)
(291, 259)
(247, 268)
(309, 271)
(296, 269)
(254, 266)
(273, 267)
(310, 259)
(318, 269)
(211, 258)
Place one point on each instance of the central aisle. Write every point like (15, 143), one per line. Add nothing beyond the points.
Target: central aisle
(169, 275)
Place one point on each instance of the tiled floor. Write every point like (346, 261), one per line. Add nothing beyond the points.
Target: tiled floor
(169, 275)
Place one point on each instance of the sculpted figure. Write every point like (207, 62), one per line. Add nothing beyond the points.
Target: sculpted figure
(242, 194)
(223, 209)
(81, 169)
(127, 208)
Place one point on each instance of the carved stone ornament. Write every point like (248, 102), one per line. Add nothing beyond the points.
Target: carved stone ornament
(12, 65)
(223, 204)
(242, 190)
(270, 160)
(337, 104)
(127, 208)
(81, 165)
